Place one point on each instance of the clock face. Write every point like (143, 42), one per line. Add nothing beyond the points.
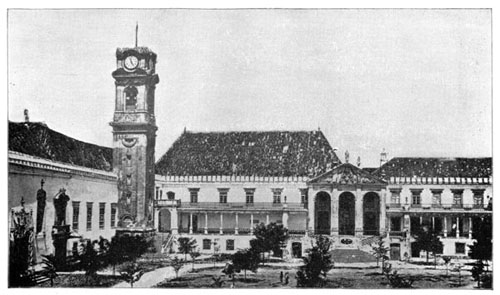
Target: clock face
(131, 62)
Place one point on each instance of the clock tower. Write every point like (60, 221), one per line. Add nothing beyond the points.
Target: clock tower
(134, 133)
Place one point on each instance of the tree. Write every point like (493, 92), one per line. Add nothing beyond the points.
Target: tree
(317, 263)
(89, 261)
(186, 246)
(428, 241)
(269, 237)
(247, 259)
(131, 273)
(482, 247)
(177, 264)
(380, 252)
(446, 260)
(193, 255)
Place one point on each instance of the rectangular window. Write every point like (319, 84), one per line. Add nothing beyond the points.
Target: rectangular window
(457, 198)
(276, 196)
(223, 196)
(436, 197)
(102, 210)
(416, 198)
(89, 215)
(207, 244)
(249, 195)
(395, 223)
(76, 215)
(304, 198)
(459, 248)
(114, 212)
(229, 245)
(193, 192)
(396, 197)
(478, 198)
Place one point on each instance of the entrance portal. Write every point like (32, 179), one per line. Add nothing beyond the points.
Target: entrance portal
(371, 214)
(395, 252)
(322, 211)
(346, 213)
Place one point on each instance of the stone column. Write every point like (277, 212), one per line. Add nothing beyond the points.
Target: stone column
(190, 223)
(383, 216)
(445, 226)
(251, 223)
(285, 219)
(236, 226)
(470, 227)
(205, 231)
(457, 232)
(174, 220)
(156, 219)
(358, 221)
(433, 224)
(267, 219)
(310, 212)
(335, 213)
(221, 231)
(388, 227)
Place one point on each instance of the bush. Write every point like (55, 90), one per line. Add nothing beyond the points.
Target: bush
(396, 280)
(316, 265)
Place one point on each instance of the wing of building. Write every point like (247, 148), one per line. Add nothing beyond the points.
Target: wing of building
(43, 164)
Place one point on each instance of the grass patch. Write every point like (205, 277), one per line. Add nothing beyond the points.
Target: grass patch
(81, 280)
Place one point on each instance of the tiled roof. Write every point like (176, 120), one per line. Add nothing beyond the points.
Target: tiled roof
(436, 167)
(274, 153)
(36, 139)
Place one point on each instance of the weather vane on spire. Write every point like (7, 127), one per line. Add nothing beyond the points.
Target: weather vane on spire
(136, 32)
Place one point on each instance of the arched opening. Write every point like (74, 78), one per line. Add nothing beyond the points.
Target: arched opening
(347, 213)
(322, 213)
(164, 221)
(371, 214)
(296, 250)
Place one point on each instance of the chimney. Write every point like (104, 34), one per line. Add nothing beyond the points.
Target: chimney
(383, 157)
(26, 116)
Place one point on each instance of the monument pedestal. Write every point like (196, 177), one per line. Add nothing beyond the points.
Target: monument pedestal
(60, 236)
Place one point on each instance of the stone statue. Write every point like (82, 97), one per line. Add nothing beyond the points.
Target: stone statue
(60, 203)
(41, 197)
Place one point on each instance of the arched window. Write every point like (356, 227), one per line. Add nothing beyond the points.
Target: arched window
(130, 97)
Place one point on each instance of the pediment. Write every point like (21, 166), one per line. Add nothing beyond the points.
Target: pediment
(347, 174)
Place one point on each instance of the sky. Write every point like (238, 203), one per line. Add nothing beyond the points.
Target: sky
(413, 82)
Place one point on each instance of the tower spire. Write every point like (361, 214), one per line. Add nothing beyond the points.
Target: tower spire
(136, 32)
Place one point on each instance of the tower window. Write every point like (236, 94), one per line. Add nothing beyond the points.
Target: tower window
(130, 98)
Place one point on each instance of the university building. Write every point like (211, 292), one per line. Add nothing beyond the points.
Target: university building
(216, 186)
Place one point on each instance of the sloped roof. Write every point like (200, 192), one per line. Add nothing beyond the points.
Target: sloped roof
(273, 153)
(36, 139)
(436, 167)
(347, 174)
